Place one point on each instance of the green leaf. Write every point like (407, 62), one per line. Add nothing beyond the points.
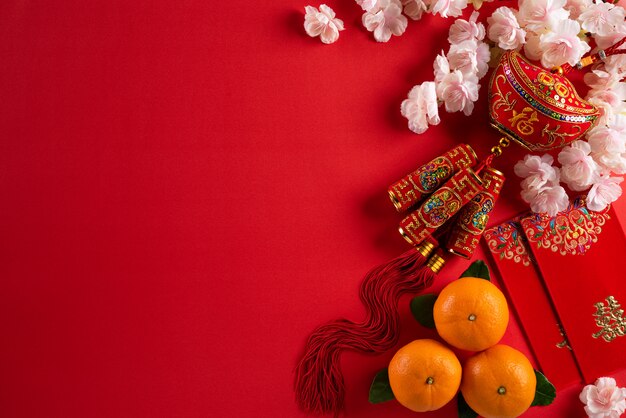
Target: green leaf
(501, 246)
(380, 391)
(477, 269)
(464, 409)
(422, 309)
(545, 392)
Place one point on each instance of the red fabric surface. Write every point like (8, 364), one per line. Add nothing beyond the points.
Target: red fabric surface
(189, 188)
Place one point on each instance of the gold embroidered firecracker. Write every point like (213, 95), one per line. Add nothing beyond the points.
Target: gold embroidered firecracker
(473, 218)
(409, 190)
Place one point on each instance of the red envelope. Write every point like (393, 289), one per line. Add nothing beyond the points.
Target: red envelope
(532, 303)
(580, 255)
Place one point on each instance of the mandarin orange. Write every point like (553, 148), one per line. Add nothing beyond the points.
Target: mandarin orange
(424, 375)
(499, 382)
(471, 314)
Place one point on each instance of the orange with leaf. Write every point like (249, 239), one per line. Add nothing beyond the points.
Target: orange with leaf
(499, 382)
(471, 314)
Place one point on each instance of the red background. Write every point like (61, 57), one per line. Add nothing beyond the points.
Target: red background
(189, 188)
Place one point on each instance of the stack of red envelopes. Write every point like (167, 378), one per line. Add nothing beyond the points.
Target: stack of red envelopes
(564, 279)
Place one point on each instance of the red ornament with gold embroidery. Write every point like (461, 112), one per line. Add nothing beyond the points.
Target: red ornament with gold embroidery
(538, 109)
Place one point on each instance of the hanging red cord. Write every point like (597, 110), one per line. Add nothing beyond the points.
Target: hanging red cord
(593, 58)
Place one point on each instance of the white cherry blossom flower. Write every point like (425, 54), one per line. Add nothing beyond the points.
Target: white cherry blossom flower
(562, 45)
(421, 107)
(578, 169)
(538, 15)
(458, 92)
(448, 8)
(415, 8)
(464, 30)
(550, 199)
(505, 30)
(601, 18)
(604, 192)
(322, 23)
(385, 19)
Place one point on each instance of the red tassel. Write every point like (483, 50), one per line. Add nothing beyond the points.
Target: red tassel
(319, 382)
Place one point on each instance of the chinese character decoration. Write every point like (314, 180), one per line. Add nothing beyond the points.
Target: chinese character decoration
(610, 319)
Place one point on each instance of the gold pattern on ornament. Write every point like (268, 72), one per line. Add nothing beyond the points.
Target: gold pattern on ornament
(524, 120)
(554, 134)
(610, 319)
(502, 100)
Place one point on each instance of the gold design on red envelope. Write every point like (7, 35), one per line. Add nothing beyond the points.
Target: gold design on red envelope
(610, 319)
(572, 231)
(507, 242)
(565, 342)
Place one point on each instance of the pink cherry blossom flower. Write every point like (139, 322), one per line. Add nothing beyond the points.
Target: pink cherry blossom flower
(322, 23)
(576, 7)
(537, 15)
(470, 57)
(599, 79)
(608, 146)
(605, 41)
(421, 107)
(532, 48)
(609, 102)
(458, 92)
(616, 64)
(536, 171)
(483, 56)
(550, 199)
(601, 18)
(505, 30)
(385, 19)
(415, 8)
(463, 57)
(441, 67)
(562, 45)
(607, 139)
(578, 169)
(448, 8)
(463, 30)
(604, 191)
(604, 399)
(367, 5)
